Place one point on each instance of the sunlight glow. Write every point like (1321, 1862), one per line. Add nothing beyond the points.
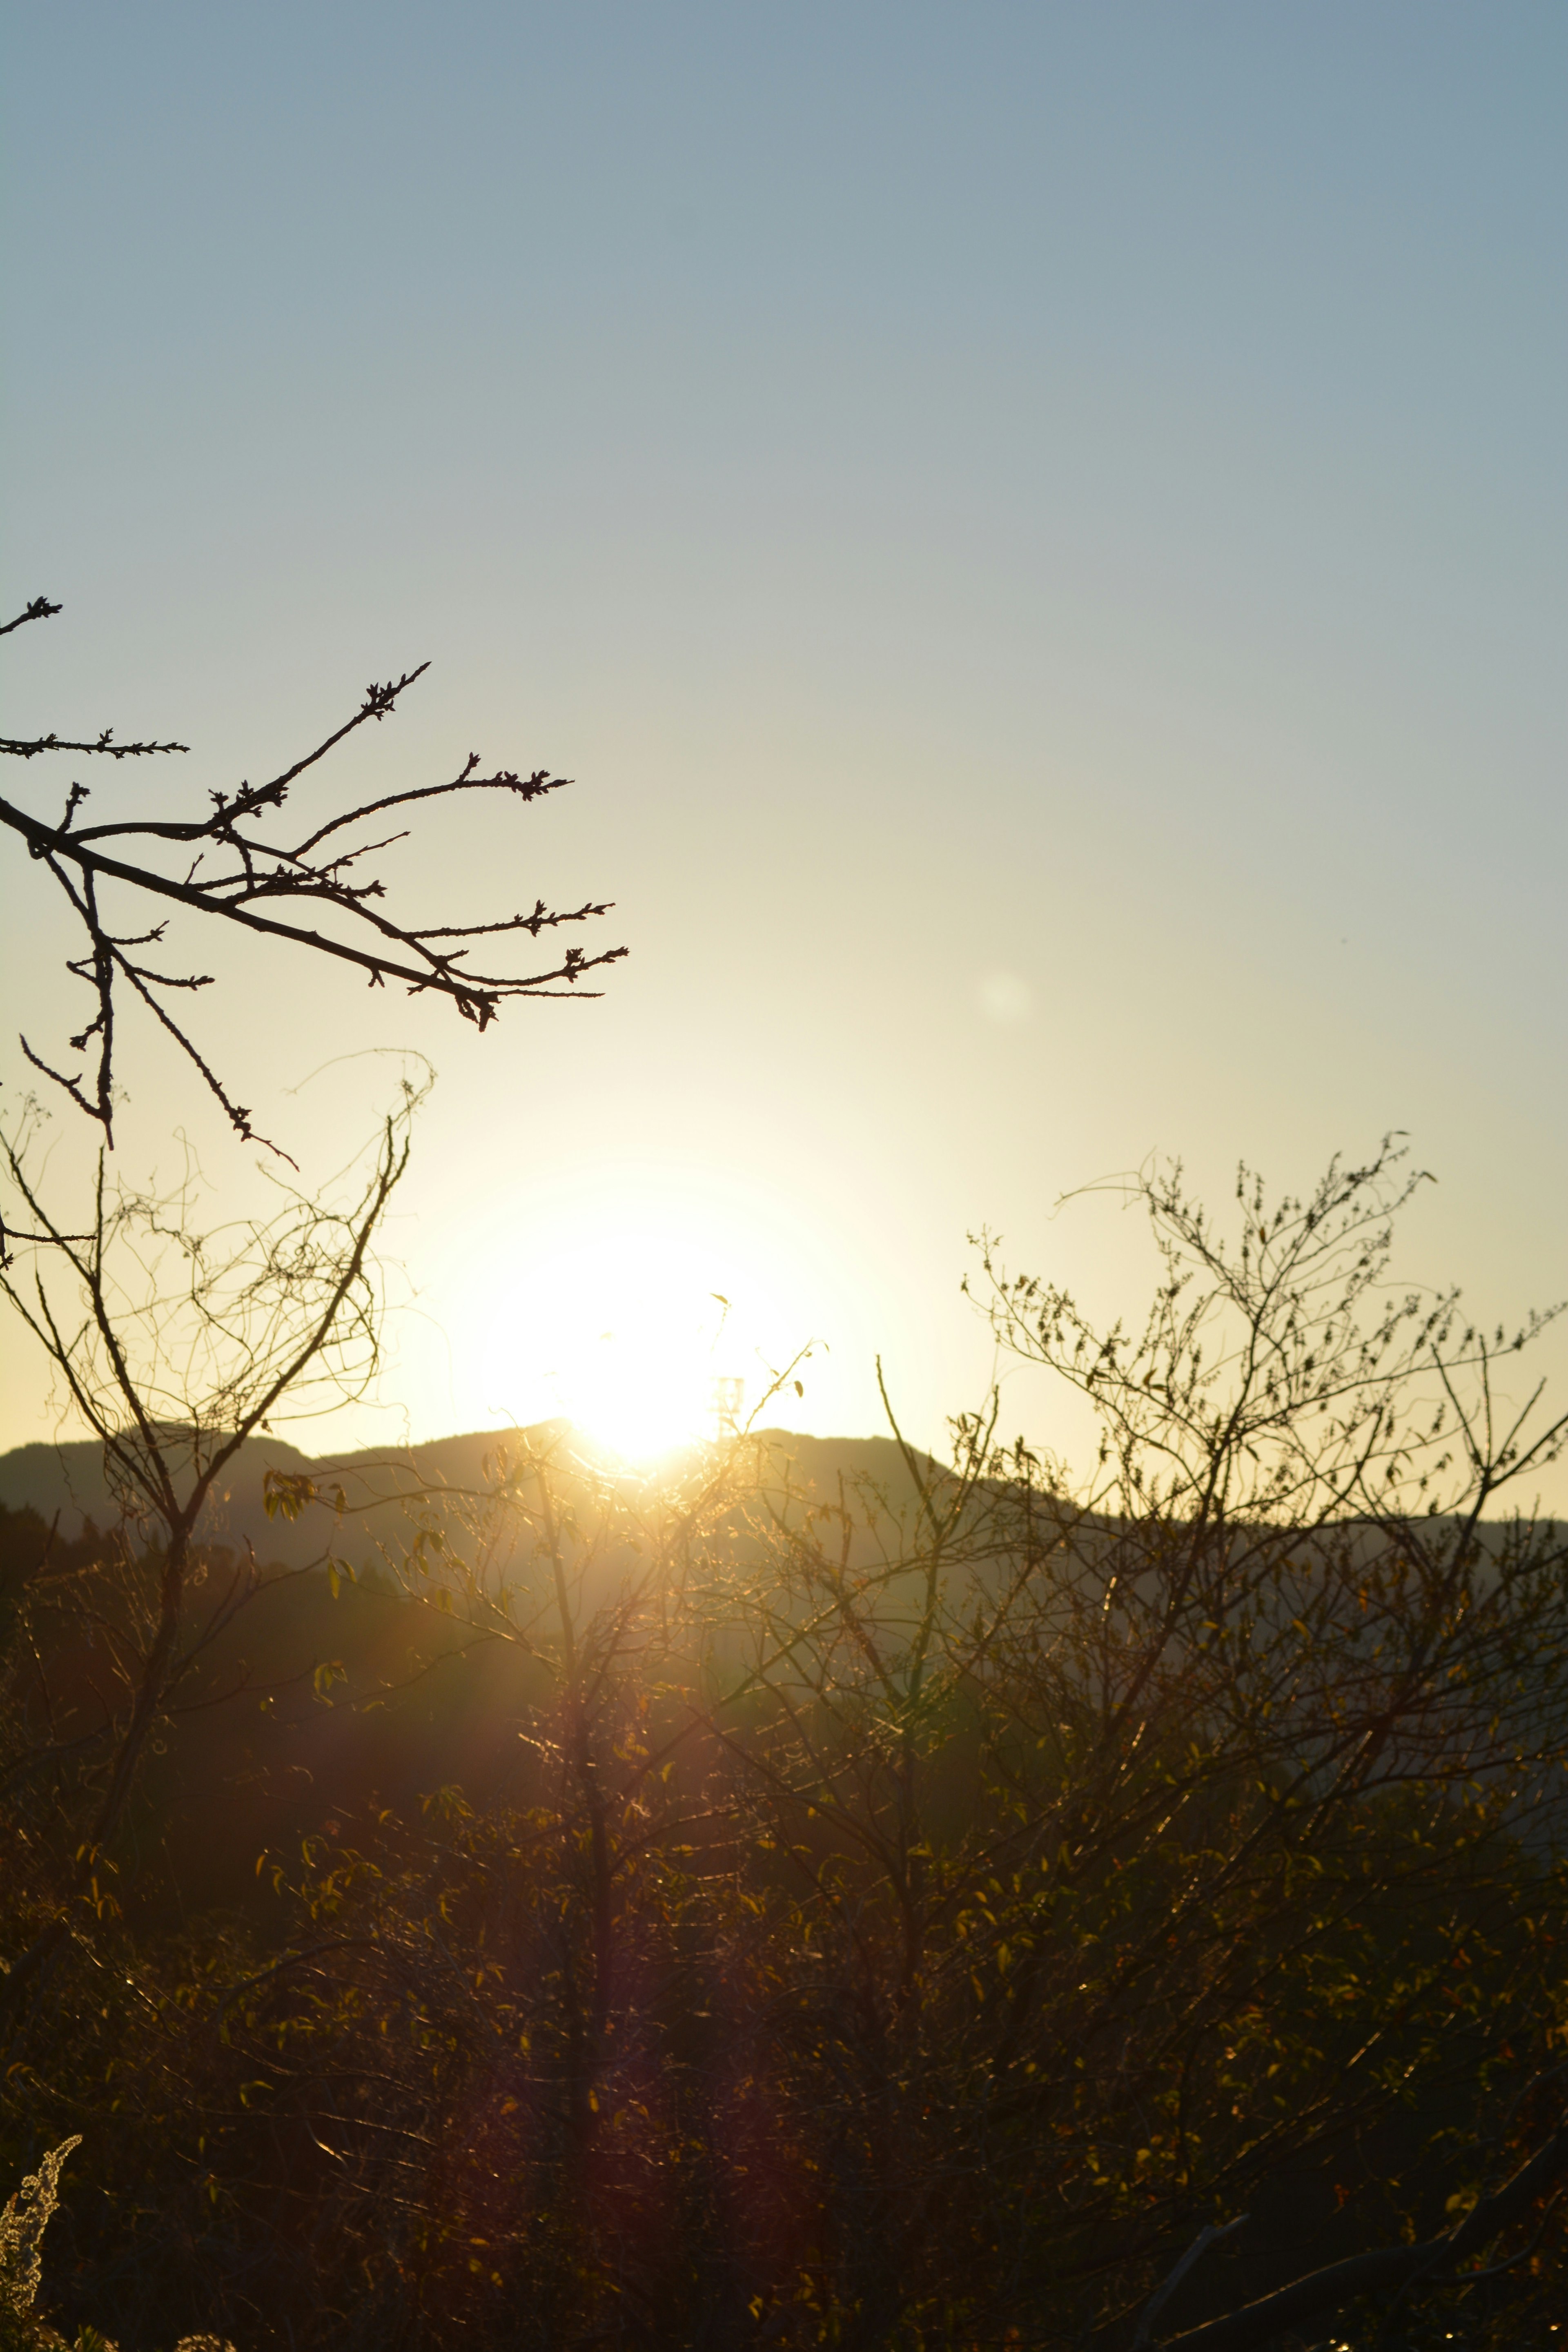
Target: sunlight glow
(644, 1385)
(652, 1309)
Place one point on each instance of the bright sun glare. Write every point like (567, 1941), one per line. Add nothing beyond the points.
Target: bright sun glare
(646, 1349)
(645, 1386)
(649, 1309)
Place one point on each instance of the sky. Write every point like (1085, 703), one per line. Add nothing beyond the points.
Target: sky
(1038, 531)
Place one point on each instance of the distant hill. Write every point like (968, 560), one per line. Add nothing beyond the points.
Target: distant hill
(417, 1702)
(69, 1478)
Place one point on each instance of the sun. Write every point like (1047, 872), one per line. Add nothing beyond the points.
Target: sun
(650, 1305)
(644, 1387)
(645, 1338)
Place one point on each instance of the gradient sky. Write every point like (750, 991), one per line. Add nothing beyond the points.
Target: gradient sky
(1039, 532)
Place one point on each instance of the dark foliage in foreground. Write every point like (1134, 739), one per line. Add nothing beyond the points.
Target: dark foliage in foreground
(734, 1911)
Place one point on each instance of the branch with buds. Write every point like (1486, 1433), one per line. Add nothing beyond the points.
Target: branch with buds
(235, 872)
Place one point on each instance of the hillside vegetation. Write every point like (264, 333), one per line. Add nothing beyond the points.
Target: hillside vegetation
(816, 1895)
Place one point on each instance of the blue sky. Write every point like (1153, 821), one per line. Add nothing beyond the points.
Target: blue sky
(1039, 529)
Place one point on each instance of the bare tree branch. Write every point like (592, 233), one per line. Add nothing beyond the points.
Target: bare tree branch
(425, 957)
(40, 609)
